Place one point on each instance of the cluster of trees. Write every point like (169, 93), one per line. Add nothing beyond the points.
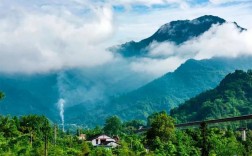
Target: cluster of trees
(35, 135)
(233, 97)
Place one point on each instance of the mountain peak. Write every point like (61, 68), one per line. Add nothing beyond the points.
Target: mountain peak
(174, 27)
(208, 18)
(175, 31)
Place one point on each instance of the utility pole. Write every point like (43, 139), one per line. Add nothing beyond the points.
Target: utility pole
(46, 130)
(55, 133)
(31, 137)
(205, 149)
(45, 147)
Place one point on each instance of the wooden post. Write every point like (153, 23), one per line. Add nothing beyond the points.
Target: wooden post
(55, 134)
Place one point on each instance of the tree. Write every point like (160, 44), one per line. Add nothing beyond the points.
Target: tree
(113, 125)
(205, 142)
(46, 129)
(161, 131)
(152, 117)
(224, 143)
(185, 143)
(8, 127)
(85, 148)
(1, 95)
(38, 129)
(131, 126)
(99, 151)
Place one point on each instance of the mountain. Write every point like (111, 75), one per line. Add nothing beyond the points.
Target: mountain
(232, 97)
(164, 93)
(168, 91)
(91, 94)
(29, 94)
(79, 88)
(175, 31)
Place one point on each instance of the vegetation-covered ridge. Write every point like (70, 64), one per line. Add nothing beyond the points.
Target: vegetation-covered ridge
(232, 97)
(34, 135)
(190, 79)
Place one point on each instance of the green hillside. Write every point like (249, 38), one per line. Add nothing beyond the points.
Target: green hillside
(190, 79)
(232, 97)
(167, 92)
(26, 94)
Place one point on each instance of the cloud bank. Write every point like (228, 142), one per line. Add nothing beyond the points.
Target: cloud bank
(34, 42)
(44, 36)
(220, 41)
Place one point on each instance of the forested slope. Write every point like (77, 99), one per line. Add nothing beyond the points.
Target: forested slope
(232, 97)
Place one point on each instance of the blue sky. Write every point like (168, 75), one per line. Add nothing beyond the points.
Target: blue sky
(46, 35)
(150, 16)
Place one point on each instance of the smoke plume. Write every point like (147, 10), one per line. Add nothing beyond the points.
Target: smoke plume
(61, 104)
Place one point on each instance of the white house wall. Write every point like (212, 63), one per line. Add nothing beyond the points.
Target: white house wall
(99, 139)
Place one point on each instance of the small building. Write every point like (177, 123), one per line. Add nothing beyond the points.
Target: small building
(104, 141)
(82, 137)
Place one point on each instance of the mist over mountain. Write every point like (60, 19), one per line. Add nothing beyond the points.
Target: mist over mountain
(122, 86)
(26, 94)
(168, 91)
(176, 32)
(39, 93)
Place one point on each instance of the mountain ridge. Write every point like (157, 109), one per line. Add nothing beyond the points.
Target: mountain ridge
(176, 31)
(168, 91)
(232, 97)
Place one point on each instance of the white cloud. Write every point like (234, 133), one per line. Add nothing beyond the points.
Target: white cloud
(155, 66)
(39, 42)
(219, 41)
(164, 49)
(49, 35)
(227, 1)
(149, 3)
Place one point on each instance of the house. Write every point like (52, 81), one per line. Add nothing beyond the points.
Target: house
(104, 141)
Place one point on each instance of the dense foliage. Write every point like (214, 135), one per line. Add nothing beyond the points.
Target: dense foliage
(233, 97)
(34, 135)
